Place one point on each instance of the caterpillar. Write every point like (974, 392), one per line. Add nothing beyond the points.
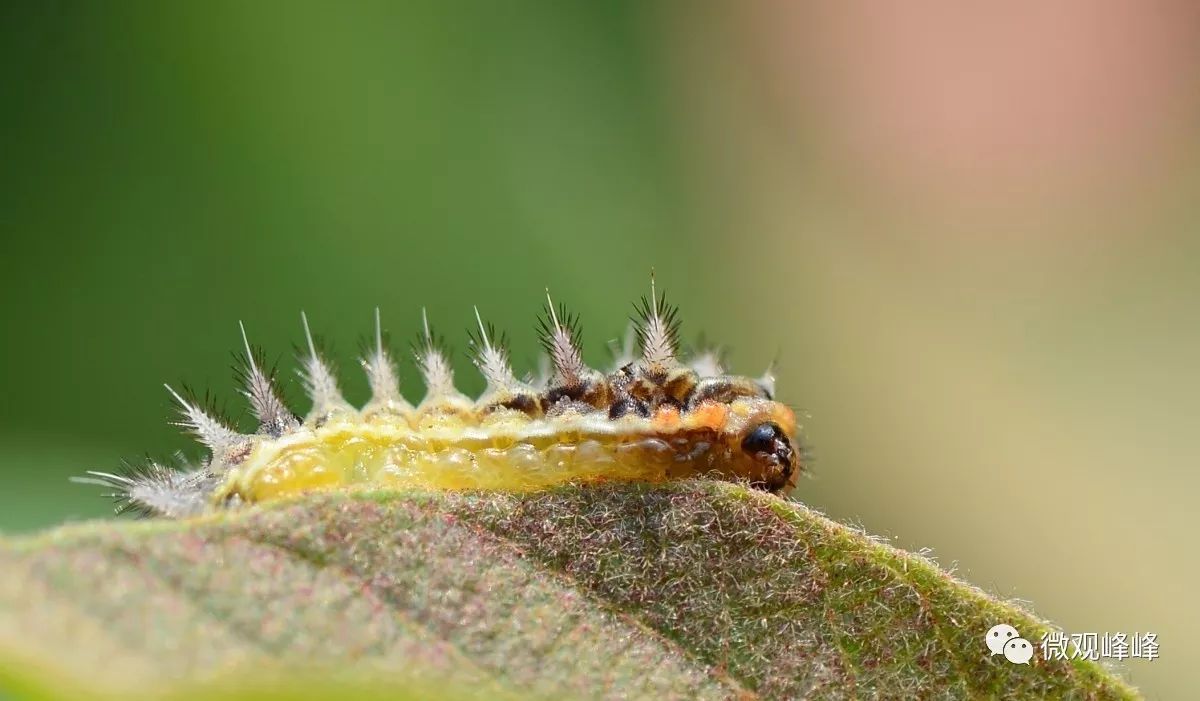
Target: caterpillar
(652, 417)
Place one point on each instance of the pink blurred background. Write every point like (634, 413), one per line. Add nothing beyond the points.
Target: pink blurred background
(980, 233)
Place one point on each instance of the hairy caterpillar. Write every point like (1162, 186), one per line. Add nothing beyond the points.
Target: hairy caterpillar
(651, 418)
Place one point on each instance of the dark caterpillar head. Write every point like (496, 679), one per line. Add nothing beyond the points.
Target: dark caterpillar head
(767, 445)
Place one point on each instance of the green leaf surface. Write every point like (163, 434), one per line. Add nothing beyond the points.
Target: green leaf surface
(691, 590)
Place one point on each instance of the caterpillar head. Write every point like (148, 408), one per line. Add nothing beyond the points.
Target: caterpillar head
(766, 444)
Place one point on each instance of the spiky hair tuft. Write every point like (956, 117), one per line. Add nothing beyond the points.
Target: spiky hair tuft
(152, 488)
(560, 335)
(433, 360)
(205, 425)
(274, 417)
(489, 353)
(623, 350)
(657, 328)
(319, 376)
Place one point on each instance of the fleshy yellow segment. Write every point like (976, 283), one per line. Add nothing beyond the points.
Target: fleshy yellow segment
(508, 451)
(391, 455)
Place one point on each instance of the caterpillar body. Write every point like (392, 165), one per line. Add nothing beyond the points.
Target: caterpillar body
(651, 418)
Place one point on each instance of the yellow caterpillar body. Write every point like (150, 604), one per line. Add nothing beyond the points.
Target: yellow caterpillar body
(652, 418)
(511, 452)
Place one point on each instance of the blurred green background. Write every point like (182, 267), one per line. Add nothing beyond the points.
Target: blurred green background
(969, 237)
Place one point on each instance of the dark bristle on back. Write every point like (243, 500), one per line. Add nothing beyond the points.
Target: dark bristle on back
(567, 322)
(479, 341)
(561, 337)
(429, 340)
(206, 401)
(660, 312)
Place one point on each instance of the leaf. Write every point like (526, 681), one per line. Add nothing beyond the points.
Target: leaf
(689, 590)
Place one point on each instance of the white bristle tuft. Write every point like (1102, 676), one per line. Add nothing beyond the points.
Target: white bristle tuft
(539, 380)
(560, 338)
(157, 490)
(319, 380)
(767, 380)
(434, 366)
(658, 329)
(623, 352)
(491, 359)
(215, 435)
(708, 363)
(382, 377)
(274, 418)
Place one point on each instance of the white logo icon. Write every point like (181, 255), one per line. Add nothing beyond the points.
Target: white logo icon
(997, 636)
(1003, 639)
(1018, 651)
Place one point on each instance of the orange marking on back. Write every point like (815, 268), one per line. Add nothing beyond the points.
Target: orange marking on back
(666, 418)
(709, 415)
